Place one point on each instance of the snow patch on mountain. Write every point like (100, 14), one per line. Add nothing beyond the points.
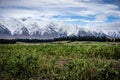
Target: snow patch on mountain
(4, 32)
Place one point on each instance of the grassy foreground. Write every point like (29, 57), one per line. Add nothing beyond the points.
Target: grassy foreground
(60, 61)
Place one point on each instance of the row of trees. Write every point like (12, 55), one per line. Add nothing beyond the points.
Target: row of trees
(72, 38)
(89, 38)
(7, 41)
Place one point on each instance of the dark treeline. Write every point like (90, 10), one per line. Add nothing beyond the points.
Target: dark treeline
(72, 38)
(7, 41)
(88, 38)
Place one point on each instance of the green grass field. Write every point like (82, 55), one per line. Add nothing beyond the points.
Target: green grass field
(60, 61)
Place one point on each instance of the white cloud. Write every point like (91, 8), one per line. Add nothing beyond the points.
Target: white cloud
(113, 26)
(46, 9)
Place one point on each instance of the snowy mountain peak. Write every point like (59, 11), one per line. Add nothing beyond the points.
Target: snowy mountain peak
(27, 28)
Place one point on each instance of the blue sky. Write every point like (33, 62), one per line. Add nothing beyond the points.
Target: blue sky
(77, 12)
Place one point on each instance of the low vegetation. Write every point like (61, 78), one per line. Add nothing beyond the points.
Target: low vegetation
(60, 61)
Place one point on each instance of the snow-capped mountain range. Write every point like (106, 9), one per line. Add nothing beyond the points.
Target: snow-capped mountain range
(35, 29)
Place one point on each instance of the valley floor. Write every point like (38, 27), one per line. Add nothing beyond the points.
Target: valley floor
(62, 60)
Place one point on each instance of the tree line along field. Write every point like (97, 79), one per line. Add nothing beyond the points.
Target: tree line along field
(60, 61)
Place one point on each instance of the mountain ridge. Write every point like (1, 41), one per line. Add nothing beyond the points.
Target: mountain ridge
(32, 29)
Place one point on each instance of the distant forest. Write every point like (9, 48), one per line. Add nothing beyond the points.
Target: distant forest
(72, 38)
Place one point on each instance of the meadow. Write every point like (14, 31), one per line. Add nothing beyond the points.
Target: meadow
(60, 61)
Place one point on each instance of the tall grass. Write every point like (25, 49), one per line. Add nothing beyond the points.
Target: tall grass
(66, 61)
